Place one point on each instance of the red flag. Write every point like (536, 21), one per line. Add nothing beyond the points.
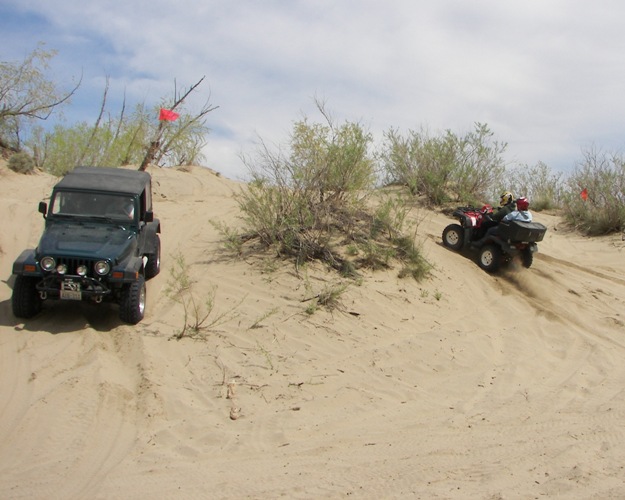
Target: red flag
(584, 194)
(168, 115)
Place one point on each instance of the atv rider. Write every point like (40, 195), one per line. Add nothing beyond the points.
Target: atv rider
(521, 213)
(507, 206)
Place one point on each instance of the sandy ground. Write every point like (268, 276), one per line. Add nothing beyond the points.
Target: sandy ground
(467, 385)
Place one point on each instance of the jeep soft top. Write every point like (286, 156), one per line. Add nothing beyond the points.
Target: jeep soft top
(117, 180)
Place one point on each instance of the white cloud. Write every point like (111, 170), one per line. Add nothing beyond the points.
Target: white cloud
(546, 76)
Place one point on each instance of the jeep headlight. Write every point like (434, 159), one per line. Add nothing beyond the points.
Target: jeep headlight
(81, 270)
(47, 263)
(102, 267)
(61, 268)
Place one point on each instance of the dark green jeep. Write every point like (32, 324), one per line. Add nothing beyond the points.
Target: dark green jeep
(100, 243)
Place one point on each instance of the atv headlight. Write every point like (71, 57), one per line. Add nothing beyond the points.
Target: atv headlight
(47, 263)
(102, 267)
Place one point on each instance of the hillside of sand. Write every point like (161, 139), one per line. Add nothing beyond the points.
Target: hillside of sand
(467, 385)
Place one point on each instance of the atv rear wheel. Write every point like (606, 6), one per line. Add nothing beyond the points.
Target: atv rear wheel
(527, 257)
(489, 258)
(453, 236)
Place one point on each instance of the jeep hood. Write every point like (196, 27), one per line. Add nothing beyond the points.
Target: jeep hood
(87, 240)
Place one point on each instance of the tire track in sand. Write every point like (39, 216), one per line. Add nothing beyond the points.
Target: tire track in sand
(83, 407)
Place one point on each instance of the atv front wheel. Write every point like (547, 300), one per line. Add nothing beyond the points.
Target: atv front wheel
(453, 237)
(489, 258)
(132, 304)
(25, 299)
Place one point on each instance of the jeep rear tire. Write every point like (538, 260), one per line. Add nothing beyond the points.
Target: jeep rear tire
(489, 258)
(132, 303)
(25, 300)
(153, 267)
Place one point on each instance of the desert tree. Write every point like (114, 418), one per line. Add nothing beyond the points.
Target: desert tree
(27, 95)
(189, 128)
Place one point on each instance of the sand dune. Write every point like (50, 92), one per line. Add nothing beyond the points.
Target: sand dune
(464, 386)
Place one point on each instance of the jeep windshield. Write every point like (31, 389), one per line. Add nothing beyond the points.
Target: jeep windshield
(82, 204)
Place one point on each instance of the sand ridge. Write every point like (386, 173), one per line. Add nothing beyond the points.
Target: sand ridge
(466, 385)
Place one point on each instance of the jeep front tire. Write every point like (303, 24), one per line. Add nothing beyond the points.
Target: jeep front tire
(132, 303)
(153, 266)
(25, 299)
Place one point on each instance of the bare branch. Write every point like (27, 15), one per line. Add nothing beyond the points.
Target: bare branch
(26, 94)
(157, 149)
(97, 123)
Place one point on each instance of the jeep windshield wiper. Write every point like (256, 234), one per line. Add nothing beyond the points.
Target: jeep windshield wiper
(105, 218)
(74, 217)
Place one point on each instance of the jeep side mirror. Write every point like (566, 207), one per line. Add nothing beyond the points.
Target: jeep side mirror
(149, 216)
(43, 208)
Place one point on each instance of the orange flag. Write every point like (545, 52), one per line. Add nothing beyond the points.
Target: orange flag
(168, 115)
(584, 194)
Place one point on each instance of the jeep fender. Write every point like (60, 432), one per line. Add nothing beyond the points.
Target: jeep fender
(26, 264)
(151, 242)
(128, 271)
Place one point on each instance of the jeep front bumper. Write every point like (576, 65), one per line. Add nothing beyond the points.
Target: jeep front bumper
(64, 287)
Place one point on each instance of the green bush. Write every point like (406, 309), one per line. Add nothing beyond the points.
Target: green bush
(445, 168)
(118, 141)
(22, 163)
(296, 201)
(602, 175)
(542, 187)
(311, 201)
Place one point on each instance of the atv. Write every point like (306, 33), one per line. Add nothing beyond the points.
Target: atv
(514, 238)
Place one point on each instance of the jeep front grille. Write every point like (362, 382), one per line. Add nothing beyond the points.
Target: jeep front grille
(72, 264)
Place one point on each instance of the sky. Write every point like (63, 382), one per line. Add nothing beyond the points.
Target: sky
(546, 76)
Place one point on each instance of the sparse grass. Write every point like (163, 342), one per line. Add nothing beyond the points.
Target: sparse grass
(258, 322)
(22, 163)
(311, 308)
(328, 298)
(375, 255)
(438, 295)
(270, 266)
(414, 264)
(199, 313)
(352, 250)
(233, 241)
(266, 354)
(417, 271)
